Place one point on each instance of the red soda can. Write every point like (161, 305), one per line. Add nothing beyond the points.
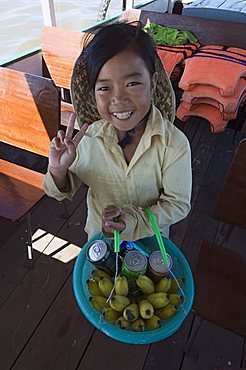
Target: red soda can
(157, 269)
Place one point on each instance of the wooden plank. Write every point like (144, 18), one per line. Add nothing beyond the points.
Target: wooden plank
(208, 31)
(202, 226)
(25, 307)
(23, 174)
(189, 128)
(105, 353)
(8, 229)
(66, 110)
(60, 49)
(61, 338)
(220, 287)
(13, 254)
(235, 240)
(202, 147)
(212, 347)
(21, 190)
(32, 63)
(202, 144)
(26, 119)
(23, 158)
(243, 362)
(169, 352)
(231, 204)
(203, 152)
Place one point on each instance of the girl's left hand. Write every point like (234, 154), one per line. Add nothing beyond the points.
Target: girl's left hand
(109, 223)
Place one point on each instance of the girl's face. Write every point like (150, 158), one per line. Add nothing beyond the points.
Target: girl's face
(123, 90)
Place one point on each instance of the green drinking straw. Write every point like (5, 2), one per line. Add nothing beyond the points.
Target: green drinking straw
(116, 237)
(116, 241)
(158, 235)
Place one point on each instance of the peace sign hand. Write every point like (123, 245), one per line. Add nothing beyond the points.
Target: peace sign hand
(63, 147)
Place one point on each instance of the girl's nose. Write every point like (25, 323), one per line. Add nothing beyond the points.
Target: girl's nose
(119, 95)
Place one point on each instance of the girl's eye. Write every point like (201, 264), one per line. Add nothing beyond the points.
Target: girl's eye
(103, 88)
(133, 83)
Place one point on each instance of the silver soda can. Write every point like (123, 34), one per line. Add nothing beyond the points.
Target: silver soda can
(157, 269)
(101, 255)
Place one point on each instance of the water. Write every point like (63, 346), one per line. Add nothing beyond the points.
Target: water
(22, 21)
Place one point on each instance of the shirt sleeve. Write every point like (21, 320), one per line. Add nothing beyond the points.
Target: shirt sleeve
(174, 202)
(51, 189)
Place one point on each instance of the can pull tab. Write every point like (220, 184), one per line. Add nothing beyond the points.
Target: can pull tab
(116, 237)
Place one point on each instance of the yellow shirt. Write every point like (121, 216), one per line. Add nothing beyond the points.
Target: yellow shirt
(158, 176)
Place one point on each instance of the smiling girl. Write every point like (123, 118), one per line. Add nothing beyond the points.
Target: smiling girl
(130, 156)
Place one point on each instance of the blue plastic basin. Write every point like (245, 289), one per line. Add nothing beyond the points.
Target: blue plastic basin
(82, 271)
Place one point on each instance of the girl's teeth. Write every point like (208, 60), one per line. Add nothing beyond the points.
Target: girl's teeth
(122, 115)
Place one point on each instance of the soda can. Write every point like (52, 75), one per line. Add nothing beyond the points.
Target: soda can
(101, 255)
(135, 263)
(157, 269)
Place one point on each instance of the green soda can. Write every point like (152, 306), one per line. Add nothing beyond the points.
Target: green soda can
(101, 255)
(135, 263)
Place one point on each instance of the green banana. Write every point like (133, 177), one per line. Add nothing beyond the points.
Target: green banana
(121, 286)
(167, 311)
(131, 312)
(138, 325)
(119, 302)
(93, 287)
(146, 309)
(158, 300)
(98, 302)
(153, 323)
(105, 285)
(145, 284)
(174, 286)
(110, 315)
(97, 274)
(175, 298)
(123, 323)
(163, 284)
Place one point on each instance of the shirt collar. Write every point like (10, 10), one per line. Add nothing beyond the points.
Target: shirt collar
(155, 124)
(105, 130)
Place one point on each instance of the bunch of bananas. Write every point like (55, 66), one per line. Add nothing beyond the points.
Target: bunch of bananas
(138, 313)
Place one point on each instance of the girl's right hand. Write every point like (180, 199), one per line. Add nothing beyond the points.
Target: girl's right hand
(109, 224)
(63, 147)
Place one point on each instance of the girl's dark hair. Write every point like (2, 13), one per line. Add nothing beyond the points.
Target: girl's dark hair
(112, 39)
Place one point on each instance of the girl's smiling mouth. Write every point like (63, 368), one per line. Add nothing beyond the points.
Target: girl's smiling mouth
(122, 115)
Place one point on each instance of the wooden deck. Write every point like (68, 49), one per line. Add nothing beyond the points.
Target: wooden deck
(41, 325)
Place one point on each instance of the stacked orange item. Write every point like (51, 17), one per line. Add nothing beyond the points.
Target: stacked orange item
(214, 84)
(174, 55)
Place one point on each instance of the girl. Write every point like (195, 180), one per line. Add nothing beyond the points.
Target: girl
(131, 156)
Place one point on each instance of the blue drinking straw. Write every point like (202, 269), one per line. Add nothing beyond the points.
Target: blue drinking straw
(158, 235)
(138, 248)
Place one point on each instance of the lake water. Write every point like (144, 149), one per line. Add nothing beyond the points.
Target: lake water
(22, 21)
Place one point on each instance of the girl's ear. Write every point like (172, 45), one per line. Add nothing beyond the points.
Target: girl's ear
(154, 82)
